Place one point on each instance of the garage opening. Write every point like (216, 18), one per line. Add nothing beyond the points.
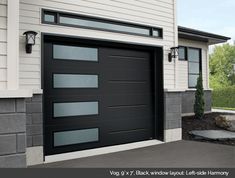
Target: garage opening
(100, 94)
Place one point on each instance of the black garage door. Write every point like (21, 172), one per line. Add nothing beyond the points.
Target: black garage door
(96, 96)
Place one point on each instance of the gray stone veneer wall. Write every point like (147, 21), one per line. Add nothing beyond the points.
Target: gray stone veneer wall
(188, 99)
(173, 110)
(34, 124)
(12, 133)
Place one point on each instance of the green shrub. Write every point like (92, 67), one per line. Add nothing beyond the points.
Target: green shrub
(199, 105)
(224, 97)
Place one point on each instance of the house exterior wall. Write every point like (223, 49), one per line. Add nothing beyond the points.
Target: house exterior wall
(34, 130)
(34, 124)
(26, 138)
(12, 133)
(188, 97)
(173, 121)
(155, 13)
(3, 44)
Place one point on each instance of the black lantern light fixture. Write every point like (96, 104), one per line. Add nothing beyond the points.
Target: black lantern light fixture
(173, 54)
(30, 40)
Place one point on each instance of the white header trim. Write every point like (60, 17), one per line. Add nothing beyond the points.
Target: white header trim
(16, 94)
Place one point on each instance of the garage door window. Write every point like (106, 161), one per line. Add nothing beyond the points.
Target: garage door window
(75, 81)
(75, 53)
(76, 137)
(75, 109)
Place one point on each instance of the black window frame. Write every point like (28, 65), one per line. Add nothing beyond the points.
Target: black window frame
(200, 64)
(58, 14)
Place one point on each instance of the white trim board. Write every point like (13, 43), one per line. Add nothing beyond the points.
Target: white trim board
(223, 111)
(100, 151)
(13, 18)
(15, 94)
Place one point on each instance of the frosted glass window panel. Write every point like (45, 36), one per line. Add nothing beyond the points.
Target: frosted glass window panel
(193, 81)
(156, 33)
(194, 68)
(75, 53)
(75, 109)
(49, 18)
(194, 55)
(76, 137)
(75, 81)
(103, 25)
(182, 53)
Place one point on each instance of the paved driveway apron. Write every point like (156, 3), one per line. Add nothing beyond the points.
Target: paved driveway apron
(182, 154)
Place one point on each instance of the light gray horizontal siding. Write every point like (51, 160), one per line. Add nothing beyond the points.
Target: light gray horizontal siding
(156, 13)
(3, 44)
(4, 2)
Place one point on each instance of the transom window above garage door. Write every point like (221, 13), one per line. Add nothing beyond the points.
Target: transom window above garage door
(81, 21)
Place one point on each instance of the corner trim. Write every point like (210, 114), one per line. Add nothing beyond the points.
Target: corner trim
(13, 44)
(34, 155)
(173, 135)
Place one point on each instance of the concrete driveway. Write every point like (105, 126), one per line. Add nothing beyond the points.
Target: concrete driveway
(182, 154)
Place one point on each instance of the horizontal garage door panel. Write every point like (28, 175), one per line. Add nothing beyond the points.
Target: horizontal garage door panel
(112, 99)
(121, 112)
(128, 88)
(125, 59)
(125, 53)
(127, 123)
(140, 135)
(126, 64)
(128, 75)
(126, 100)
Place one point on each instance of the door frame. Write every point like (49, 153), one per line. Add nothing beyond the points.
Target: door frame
(157, 56)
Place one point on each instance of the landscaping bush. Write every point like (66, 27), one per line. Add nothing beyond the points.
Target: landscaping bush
(224, 97)
(199, 104)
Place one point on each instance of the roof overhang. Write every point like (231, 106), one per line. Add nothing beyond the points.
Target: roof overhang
(197, 35)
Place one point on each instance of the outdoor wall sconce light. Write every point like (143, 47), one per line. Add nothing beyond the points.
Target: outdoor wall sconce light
(173, 54)
(30, 40)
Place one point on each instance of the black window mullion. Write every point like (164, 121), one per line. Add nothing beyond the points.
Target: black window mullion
(57, 18)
